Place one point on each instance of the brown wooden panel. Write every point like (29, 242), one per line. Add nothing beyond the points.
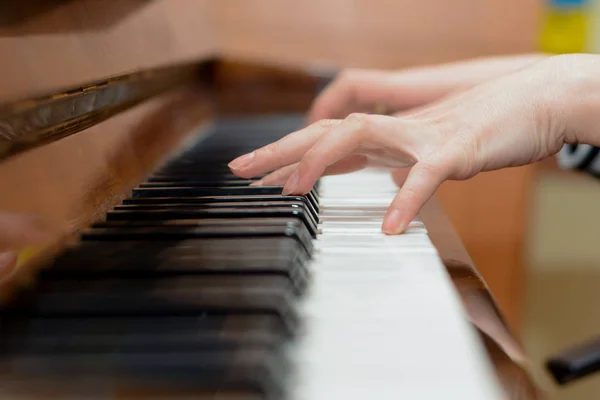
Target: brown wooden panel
(375, 33)
(490, 213)
(80, 41)
(74, 181)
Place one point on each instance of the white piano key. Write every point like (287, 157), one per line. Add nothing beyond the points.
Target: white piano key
(382, 318)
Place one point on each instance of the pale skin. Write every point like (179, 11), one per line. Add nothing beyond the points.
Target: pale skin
(448, 122)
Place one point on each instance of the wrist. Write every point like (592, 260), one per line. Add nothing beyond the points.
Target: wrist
(575, 105)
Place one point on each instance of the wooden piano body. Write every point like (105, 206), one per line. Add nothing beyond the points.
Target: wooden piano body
(96, 94)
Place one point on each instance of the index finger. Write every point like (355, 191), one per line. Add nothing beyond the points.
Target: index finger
(340, 98)
(286, 151)
(340, 142)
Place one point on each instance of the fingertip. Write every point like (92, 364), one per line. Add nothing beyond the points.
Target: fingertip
(257, 183)
(394, 222)
(291, 184)
(241, 162)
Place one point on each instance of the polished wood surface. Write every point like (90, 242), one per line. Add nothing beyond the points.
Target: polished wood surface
(67, 43)
(72, 182)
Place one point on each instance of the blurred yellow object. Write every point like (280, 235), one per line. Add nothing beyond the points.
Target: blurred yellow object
(565, 27)
(27, 253)
(564, 32)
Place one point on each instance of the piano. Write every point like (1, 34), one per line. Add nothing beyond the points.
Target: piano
(176, 279)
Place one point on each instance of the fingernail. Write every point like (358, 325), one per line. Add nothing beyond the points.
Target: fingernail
(392, 224)
(242, 161)
(257, 183)
(8, 261)
(291, 184)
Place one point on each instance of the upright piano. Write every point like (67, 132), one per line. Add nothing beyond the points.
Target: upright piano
(173, 278)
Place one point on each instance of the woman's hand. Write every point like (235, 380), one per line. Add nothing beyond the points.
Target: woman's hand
(16, 233)
(514, 120)
(373, 91)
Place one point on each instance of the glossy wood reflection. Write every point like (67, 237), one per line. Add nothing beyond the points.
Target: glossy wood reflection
(73, 182)
(75, 42)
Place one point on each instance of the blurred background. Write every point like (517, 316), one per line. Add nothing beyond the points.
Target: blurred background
(531, 231)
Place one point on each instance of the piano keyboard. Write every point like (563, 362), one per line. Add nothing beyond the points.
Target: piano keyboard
(199, 282)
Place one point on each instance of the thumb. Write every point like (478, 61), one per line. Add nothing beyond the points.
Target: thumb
(421, 183)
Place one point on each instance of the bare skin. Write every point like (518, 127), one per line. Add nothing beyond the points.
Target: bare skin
(468, 118)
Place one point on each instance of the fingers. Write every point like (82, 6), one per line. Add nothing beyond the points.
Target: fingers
(343, 140)
(276, 178)
(349, 164)
(285, 151)
(399, 176)
(349, 91)
(421, 183)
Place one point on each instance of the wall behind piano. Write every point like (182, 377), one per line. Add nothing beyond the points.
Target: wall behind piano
(71, 42)
(487, 211)
(563, 275)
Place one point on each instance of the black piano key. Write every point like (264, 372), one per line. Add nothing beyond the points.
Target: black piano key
(150, 310)
(106, 334)
(217, 213)
(222, 204)
(207, 191)
(179, 256)
(168, 181)
(575, 363)
(218, 191)
(209, 175)
(296, 230)
(163, 256)
(253, 370)
(146, 259)
(219, 222)
(169, 296)
(226, 199)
